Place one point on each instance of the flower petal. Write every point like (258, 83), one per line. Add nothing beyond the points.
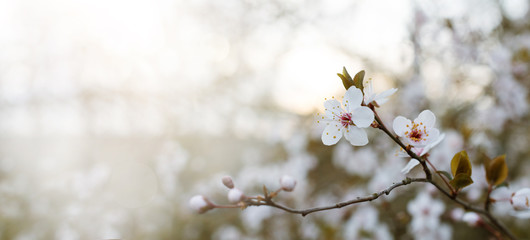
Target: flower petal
(352, 99)
(434, 134)
(332, 134)
(410, 165)
(362, 117)
(333, 109)
(401, 125)
(432, 144)
(356, 136)
(427, 118)
(382, 98)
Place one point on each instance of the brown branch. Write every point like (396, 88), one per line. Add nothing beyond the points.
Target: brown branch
(485, 212)
(480, 211)
(304, 212)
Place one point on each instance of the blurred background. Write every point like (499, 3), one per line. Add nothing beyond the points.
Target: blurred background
(114, 113)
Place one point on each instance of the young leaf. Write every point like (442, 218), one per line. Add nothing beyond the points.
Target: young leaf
(461, 164)
(358, 80)
(460, 181)
(345, 81)
(346, 78)
(346, 74)
(496, 170)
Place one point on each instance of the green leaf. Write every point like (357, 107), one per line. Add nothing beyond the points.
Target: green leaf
(461, 164)
(497, 170)
(461, 180)
(347, 83)
(358, 80)
(446, 174)
(346, 74)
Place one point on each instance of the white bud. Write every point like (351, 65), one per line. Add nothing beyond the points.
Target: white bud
(521, 199)
(200, 204)
(287, 183)
(227, 181)
(235, 195)
(471, 218)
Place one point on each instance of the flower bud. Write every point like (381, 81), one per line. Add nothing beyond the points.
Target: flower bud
(520, 199)
(471, 218)
(200, 204)
(227, 181)
(287, 183)
(235, 195)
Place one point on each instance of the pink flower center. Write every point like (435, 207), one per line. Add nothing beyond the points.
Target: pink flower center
(417, 133)
(346, 120)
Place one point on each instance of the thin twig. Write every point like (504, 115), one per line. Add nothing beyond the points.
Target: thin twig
(441, 176)
(488, 200)
(304, 212)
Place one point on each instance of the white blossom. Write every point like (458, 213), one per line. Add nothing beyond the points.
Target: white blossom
(521, 199)
(349, 121)
(377, 98)
(471, 218)
(418, 133)
(200, 204)
(425, 213)
(235, 195)
(287, 183)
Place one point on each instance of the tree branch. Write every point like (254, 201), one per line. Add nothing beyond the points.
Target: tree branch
(304, 212)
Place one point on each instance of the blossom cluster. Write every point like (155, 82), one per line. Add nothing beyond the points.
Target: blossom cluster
(356, 113)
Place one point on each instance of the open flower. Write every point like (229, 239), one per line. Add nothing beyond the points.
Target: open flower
(348, 121)
(420, 134)
(417, 133)
(377, 99)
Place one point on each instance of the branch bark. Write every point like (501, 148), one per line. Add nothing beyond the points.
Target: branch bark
(304, 212)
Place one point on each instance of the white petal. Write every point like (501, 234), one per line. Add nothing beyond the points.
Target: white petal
(402, 153)
(382, 98)
(434, 134)
(332, 134)
(352, 98)
(333, 109)
(427, 118)
(356, 136)
(368, 88)
(433, 144)
(362, 117)
(410, 165)
(401, 125)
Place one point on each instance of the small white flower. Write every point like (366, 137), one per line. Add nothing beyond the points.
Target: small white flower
(227, 181)
(235, 195)
(471, 218)
(425, 212)
(521, 199)
(418, 133)
(377, 99)
(200, 204)
(349, 121)
(287, 183)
